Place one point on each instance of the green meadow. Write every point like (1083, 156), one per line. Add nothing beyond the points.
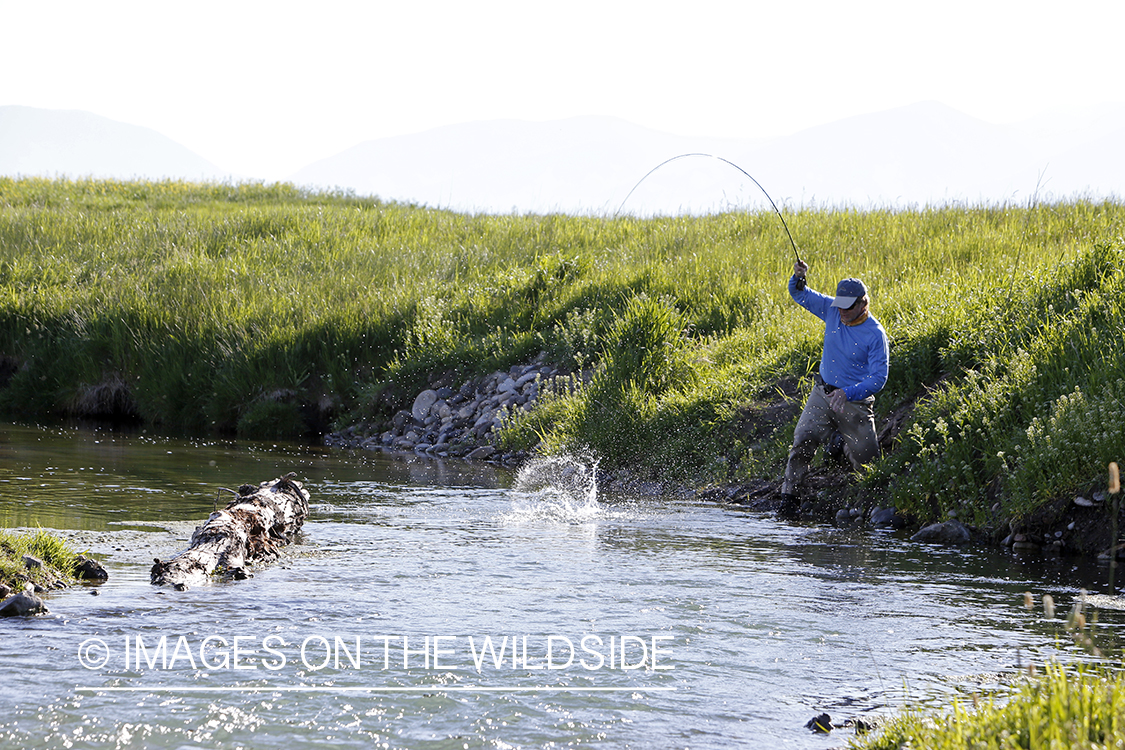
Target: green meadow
(264, 310)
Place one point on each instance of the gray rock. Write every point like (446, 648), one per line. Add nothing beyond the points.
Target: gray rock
(527, 378)
(948, 532)
(22, 604)
(887, 517)
(89, 570)
(32, 563)
(481, 453)
(5, 592)
(422, 403)
(821, 723)
(399, 420)
(1083, 502)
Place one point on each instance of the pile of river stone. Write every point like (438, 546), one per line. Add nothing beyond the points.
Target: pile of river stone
(463, 423)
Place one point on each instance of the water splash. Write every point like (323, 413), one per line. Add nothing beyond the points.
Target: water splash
(561, 488)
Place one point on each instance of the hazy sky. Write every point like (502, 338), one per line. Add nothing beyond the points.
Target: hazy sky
(264, 88)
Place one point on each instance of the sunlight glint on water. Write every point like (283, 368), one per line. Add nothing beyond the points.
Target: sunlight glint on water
(765, 624)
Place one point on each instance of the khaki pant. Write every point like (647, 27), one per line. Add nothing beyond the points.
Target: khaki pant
(815, 427)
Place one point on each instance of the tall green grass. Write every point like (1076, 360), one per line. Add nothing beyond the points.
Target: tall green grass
(1069, 707)
(57, 557)
(1032, 395)
(253, 308)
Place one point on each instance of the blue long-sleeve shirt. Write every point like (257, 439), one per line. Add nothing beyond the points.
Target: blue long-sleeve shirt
(855, 357)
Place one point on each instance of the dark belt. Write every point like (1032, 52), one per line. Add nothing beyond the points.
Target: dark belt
(828, 388)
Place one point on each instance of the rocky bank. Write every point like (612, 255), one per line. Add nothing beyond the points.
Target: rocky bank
(462, 423)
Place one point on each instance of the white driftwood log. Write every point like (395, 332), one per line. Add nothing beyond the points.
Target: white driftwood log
(252, 528)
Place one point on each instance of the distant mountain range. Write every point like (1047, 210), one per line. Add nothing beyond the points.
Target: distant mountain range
(48, 142)
(923, 154)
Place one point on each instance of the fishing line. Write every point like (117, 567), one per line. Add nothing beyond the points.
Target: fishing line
(740, 169)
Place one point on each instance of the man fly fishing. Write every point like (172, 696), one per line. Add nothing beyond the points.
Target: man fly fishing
(853, 368)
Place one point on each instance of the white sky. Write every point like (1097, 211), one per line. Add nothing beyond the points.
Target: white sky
(265, 87)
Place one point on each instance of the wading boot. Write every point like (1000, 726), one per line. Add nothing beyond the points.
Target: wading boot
(790, 507)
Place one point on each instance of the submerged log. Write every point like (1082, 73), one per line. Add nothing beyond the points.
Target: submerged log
(251, 528)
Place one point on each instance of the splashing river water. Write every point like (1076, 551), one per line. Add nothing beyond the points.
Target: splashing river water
(443, 605)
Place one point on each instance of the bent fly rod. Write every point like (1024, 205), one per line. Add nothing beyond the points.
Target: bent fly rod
(740, 169)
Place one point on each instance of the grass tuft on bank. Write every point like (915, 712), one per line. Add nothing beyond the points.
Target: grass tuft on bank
(1072, 707)
(265, 310)
(57, 558)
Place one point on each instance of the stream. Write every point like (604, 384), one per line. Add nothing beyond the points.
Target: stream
(441, 604)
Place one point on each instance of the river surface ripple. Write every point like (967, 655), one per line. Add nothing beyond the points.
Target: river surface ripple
(670, 623)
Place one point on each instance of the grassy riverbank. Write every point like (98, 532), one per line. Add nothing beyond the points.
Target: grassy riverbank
(262, 310)
(1068, 707)
(57, 559)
